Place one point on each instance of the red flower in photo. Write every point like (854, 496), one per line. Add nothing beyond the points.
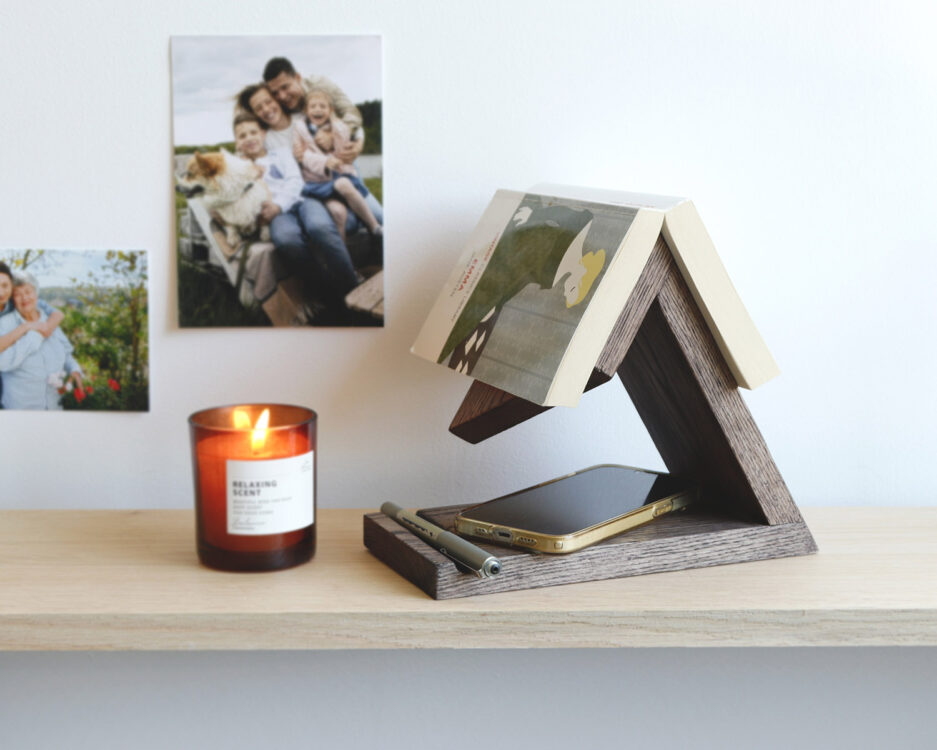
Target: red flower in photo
(113, 384)
(79, 395)
(89, 390)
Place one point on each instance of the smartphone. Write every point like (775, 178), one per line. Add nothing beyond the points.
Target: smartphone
(575, 511)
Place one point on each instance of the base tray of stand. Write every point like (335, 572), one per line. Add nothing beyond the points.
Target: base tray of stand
(690, 539)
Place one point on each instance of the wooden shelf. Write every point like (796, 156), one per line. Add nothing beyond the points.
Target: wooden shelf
(129, 580)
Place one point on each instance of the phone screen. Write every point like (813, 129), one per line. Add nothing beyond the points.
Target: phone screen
(577, 502)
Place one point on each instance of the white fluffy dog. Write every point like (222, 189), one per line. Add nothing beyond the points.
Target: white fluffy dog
(230, 187)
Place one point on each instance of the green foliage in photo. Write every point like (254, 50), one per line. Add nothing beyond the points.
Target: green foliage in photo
(108, 327)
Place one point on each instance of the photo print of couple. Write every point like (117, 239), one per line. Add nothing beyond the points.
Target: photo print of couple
(73, 330)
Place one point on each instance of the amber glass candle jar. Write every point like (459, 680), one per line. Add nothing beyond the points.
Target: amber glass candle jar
(255, 485)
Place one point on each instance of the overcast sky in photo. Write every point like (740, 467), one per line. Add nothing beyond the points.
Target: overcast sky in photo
(209, 71)
(66, 267)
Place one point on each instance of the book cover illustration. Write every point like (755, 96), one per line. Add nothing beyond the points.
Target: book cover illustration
(511, 307)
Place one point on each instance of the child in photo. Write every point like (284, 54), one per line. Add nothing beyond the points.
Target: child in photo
(280, 172)
(326, 176)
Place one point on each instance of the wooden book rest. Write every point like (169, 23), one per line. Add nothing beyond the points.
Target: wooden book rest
(684, 392)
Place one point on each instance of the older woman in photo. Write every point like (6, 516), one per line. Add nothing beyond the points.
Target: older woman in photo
(32, 365)
(51, 320)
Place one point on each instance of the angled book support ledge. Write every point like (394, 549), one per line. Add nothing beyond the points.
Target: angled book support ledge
(681, 344)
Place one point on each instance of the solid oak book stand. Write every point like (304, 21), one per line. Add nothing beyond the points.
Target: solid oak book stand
(687, 397)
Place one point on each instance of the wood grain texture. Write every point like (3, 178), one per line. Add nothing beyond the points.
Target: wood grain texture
(485, 411)
(688, 400)
(676, 542)
(130, 580)
(659, 267)
(406, 553)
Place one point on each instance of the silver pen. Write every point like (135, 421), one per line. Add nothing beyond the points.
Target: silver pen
(457, 549)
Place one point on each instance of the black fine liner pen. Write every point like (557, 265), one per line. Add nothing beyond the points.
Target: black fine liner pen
(457, 549)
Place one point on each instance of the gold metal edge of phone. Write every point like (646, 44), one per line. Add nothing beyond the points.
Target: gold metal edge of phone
(580, 539)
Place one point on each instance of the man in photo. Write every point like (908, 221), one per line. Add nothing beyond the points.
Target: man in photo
(289, 88)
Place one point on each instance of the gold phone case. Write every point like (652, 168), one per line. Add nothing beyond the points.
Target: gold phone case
(566, 543)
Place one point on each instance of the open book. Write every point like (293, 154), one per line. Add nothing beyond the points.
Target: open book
(538, 289)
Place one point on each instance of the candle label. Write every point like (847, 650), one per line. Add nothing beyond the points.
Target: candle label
(271, 496)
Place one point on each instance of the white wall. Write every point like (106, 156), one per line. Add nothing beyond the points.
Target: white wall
(803, 131)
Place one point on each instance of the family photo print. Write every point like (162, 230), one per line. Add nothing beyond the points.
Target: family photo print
(278, 180)
(73, 330)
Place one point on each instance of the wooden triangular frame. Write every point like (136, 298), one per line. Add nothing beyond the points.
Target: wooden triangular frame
(685, 393)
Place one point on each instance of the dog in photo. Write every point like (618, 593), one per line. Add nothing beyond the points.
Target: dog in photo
(230, 187)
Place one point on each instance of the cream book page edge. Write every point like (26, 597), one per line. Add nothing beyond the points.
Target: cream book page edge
(464, 277)
(600, 317)
(739, 341)
(610, 197)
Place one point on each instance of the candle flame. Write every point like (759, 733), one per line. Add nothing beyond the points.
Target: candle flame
(242, 421)
(259, 434)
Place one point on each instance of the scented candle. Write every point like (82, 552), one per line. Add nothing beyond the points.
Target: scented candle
(255, 479)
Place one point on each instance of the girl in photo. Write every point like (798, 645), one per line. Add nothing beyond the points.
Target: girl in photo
(315, 142)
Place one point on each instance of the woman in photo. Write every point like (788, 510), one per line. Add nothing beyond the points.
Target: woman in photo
(52, 317)
(278, 124)
(32, 366)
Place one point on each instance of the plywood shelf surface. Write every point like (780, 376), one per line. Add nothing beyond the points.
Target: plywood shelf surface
(130, 580)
